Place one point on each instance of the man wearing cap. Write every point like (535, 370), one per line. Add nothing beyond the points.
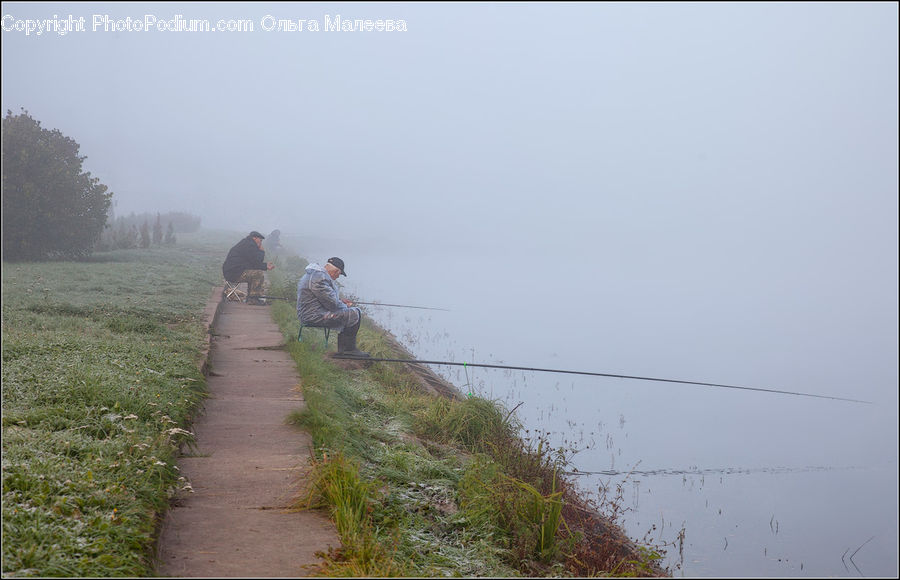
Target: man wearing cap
(319, 304)
(244, 263)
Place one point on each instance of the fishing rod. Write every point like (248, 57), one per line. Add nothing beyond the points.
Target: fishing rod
(464, 364)
(401, 305)
(358, 302)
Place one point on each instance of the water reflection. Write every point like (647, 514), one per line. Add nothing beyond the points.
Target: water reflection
(767, 519)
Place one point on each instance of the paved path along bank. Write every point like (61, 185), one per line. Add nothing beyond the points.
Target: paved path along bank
(246, 464)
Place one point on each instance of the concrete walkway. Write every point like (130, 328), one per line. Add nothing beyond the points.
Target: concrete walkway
(246, 465)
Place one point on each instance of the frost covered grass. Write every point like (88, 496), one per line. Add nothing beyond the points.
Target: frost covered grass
(99, 382)
(438, 487)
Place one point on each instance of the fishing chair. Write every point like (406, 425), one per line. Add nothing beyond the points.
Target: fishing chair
(325, 328)
(233, 291)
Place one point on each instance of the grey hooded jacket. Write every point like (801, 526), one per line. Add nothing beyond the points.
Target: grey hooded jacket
(319, 302)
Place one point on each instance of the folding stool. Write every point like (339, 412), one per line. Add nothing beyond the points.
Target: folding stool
(233, 292)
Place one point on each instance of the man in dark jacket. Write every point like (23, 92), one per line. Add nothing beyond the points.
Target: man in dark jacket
(244, 263)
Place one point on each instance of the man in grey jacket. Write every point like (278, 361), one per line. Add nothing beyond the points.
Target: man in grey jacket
(319, 304)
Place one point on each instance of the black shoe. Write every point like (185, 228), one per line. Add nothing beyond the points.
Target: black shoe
(255, 301)
(351, 354)
(347, 344)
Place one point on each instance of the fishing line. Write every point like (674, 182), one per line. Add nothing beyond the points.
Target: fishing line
(710, 471)
(463, 364)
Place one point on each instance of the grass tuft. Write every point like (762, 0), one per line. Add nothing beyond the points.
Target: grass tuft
(335, 484)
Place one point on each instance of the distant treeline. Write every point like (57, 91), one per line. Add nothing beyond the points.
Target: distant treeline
(53, 209)
(182, 223)
(146, 229)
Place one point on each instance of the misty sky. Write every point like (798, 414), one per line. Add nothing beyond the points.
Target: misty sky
(488, 120)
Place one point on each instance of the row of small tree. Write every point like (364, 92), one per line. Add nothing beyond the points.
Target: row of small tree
(182, 223)
(118, 234)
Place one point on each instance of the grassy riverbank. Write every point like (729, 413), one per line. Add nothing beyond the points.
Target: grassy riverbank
(424, 485)
(100, 379)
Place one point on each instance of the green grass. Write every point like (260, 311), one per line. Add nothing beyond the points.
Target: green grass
(411, 526)
(439, 487)
(99, 381)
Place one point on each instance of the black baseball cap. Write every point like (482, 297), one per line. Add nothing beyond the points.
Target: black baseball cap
(256, 234)
(337, 263)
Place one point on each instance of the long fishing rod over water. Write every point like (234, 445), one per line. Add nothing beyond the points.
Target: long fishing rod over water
(401, 305)
(586, 373)
(718, 385)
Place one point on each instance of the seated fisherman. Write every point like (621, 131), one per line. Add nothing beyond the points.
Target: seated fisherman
(319, 304)
(244, 263)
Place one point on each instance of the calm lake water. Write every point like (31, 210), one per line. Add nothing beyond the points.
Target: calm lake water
(729, 482)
